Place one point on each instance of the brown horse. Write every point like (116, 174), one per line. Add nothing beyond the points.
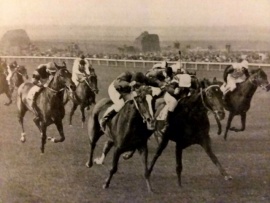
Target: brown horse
(238, 101)
(17, 78)
(190, 125)
(49, 103)
(85, 95)
(129, 130)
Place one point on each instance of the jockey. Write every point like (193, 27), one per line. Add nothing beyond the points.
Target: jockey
(121, 89)
(161, 76)
(236, 73)
(81, 67)
(179, 86)
(42, 76)
(161, 65)
(11, 69)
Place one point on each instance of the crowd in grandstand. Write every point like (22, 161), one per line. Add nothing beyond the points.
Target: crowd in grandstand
(187, 55)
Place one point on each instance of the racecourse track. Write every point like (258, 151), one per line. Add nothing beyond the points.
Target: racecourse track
(60, 174)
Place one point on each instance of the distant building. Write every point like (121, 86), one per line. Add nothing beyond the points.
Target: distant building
(147, 42)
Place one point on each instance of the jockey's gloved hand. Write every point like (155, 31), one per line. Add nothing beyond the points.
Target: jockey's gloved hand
(132, 83)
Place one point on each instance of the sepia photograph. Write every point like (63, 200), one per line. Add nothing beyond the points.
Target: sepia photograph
(134, 101)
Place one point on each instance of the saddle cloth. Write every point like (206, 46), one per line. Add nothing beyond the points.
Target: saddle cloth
(163, 113)
(32, 92)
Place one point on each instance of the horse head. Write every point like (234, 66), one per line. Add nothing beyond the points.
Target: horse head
(92, 81)
(144, 104)
(259, 78)
(22, 71)
(63, 77)
(213, 101)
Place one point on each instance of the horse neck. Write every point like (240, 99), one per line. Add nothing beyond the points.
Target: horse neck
(130, 113)
(247, 88)
(194, 103)
(17, 78)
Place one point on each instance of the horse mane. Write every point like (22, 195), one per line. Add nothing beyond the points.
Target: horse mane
(253, 71)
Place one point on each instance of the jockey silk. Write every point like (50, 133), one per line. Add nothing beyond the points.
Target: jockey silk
(76, 74)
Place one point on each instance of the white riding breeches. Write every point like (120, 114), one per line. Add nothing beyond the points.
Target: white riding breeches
(170, 101)
(115, 97)
(231, 83)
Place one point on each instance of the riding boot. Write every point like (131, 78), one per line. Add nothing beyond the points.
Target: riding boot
(168, 121)
(106, 117)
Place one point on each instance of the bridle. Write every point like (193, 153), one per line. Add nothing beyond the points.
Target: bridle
(87, 83)
(203, 101)
(137, 107)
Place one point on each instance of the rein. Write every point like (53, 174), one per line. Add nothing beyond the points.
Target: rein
(87, 83)
(201, 93)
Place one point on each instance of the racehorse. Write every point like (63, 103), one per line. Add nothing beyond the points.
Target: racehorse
(49, 103)
(238, 101)
(17, 78)
(4, 88)
(128, 130)
(190, 125)
(85, 95)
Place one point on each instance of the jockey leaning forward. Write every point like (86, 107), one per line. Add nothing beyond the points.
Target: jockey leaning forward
(11, 69)
(121, 89)
(175, 89)
(81, 68)
(236, 73)
(42, 76)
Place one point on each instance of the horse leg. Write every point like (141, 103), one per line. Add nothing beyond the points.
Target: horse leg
(230, 118)
(9, 96)
(164, 142)
(107, 147)
(243, 123)
(206, 144)
(219, 125)
(114, 168)
(83, 114)
(92, 144)
(73, 109)
(144, 155)
(43, 128)
(21, 114)
(179, 165)
(60, 129)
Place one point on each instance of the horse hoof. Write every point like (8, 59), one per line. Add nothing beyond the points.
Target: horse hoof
(88, 165)
(105, 186)
(98, 161)
(70, 125)
(23, 139)
(228, 178)
(52, 139)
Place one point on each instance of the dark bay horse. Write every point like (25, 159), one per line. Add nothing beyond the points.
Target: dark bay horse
(238, 101)
(85, 95)
(17, 78)
(49, 103)
(128, 130)
(190, 125)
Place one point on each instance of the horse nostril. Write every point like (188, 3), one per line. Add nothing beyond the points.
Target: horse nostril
(73, 87)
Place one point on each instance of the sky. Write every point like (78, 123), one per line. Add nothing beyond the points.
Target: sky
(135, 13)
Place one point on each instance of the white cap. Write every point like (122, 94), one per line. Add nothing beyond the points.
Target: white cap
(244, 64)
(184, 80)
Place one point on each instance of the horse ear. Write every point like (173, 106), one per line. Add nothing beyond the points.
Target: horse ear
(56, 65)
(64, 63)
